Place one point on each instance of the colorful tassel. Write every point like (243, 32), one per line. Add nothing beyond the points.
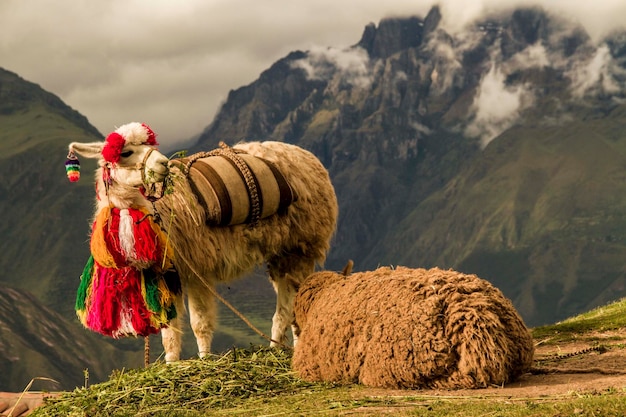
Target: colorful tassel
(72, 167)
(119, 302)
(99, 248)
(125, 289)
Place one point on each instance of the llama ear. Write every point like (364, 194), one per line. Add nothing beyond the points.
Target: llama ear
(91, 150)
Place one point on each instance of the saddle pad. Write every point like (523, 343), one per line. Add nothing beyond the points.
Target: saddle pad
(222, 189)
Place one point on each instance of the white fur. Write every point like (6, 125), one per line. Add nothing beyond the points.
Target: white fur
(290, 243)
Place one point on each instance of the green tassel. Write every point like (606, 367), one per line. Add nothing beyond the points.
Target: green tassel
(152, 291)
(171, 312)
(85, 283)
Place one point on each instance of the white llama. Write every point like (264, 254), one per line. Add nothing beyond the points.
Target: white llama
(290, 242)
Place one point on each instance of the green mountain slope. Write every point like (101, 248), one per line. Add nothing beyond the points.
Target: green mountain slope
(35, 341)
(44, 229)
(45, 217)
(541, 213)
(497, 151)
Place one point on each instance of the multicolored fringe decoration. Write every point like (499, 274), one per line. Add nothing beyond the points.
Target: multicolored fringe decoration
(128, 286)
(72, 167)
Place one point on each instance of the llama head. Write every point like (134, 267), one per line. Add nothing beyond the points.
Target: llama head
(128, 156)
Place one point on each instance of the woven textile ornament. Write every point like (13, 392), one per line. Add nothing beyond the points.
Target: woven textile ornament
(72, 167)
(128, 286)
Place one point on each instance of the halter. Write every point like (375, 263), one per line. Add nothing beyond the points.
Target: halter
(141, 166)
(153, 195)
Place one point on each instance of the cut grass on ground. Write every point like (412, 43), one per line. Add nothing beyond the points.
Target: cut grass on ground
(259, 381)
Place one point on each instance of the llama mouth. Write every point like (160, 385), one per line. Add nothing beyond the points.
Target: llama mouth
(156, 177)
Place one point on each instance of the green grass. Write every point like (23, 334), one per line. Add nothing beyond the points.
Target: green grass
(609, 317)
(239, 379)
(259, 381)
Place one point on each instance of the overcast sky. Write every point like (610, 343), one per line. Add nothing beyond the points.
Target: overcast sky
(172, 63)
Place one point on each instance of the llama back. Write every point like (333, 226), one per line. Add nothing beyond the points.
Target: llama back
(304, 227)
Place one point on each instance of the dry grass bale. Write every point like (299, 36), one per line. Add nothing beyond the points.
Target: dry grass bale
(409, 328)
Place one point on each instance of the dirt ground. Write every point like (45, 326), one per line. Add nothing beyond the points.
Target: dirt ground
(592, 365)
(595, 364)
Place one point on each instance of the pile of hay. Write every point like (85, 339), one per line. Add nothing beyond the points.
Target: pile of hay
(409, 328)
(237, 379)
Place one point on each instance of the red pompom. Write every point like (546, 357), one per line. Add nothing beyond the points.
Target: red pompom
(151, 135)
(113, 148)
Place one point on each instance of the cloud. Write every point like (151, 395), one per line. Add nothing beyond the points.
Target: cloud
(532, 56)
(349, 66)
(446, 62)
(171, 64)
(597, 75)
(497, 106)
(598, 17)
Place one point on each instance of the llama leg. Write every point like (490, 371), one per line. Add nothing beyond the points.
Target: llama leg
(285, 285)
(171, 336)
(203, 318)
(171, 339)
(284, 315)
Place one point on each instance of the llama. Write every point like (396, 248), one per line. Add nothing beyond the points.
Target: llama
(290, 242)
(408, 328)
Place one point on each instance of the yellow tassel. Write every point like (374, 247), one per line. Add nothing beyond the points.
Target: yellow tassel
(165, 295)
(98, 244)
(144, 293)
(82, 316)
(168, 252)
(159, 320)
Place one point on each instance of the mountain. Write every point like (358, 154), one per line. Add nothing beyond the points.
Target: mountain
(39, 207)
(44, 229)
(37, 342)
(498, 150)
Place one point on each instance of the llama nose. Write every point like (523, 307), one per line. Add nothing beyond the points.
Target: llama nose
(162, 160)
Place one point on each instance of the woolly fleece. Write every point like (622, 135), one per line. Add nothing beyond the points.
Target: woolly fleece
(409, 328)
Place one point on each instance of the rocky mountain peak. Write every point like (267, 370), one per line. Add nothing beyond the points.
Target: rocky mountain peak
(392, 35)
(413, 119)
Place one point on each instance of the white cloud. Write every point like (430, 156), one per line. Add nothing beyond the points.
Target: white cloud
(597, 74)
(349, 65)
(496, 106)
(171, 64)
(598, 17)
(532, 56)
(446, 62)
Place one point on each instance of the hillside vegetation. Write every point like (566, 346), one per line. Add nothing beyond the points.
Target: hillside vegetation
(259, 381)
(498, 151)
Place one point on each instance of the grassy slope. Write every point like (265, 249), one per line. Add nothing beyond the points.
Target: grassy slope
(259, 382)
(45, 225)
(540, 214)
(36, 199)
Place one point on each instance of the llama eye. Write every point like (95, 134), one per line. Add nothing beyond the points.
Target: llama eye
(126, 154)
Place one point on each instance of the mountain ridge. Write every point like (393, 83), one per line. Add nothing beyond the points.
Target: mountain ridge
(398, 123)
(499, 151)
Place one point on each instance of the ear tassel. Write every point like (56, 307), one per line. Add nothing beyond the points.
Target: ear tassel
(72, 167)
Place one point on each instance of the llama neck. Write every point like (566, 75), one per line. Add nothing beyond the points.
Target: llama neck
(119, 195)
